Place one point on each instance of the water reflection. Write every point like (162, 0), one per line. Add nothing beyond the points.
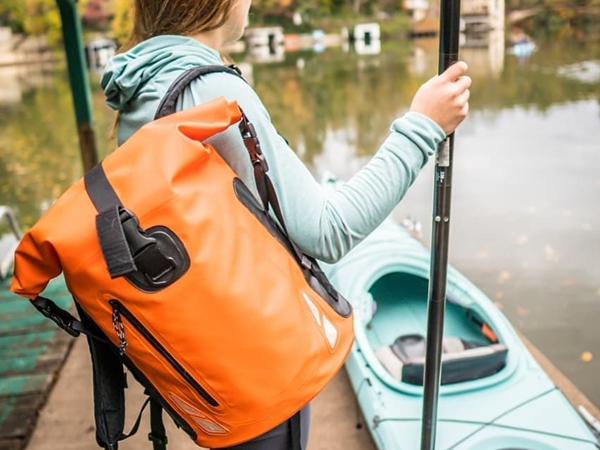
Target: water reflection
(39, 156)
(16, 81)
(525, 223)
(484, 52)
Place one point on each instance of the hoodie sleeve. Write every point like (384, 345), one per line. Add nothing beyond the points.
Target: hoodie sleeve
(323, 224)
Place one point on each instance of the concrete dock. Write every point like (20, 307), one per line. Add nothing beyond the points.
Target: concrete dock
(66, 422)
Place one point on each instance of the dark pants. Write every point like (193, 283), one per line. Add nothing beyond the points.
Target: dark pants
(280, 437)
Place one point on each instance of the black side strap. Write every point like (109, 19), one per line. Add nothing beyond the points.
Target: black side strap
(98, 187)
(111, 235)
(113, 242)
(125, 246)
(169, 101)
(138, 421)
(109, 388)
(157, 434)
(295, 431)
(64, 319)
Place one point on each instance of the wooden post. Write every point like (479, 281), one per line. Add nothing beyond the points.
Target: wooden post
(80, 86)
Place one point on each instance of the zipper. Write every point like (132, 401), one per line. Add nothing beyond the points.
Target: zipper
(120, 310)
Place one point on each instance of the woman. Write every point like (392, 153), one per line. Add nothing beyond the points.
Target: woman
(172, 36)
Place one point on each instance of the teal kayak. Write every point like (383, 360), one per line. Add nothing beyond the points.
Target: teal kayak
(494, 395)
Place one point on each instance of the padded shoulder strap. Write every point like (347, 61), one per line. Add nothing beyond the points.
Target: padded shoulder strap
(109, 389)
(167, 105)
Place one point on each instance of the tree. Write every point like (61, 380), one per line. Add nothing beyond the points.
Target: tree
(34, 17)
(122, 20)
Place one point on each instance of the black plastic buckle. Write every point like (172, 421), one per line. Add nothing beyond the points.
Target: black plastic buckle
(144, 247)
(135, 236)
(161, 279)
(160, 440)
(261, 160)
(252, 143)
(60, 317)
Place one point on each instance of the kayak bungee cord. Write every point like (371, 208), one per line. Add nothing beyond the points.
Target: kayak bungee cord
(436, 302)
(492, 423)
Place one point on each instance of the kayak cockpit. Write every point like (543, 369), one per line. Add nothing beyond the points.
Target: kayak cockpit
(397, 328)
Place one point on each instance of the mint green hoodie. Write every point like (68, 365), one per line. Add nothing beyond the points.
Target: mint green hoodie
(323, 224)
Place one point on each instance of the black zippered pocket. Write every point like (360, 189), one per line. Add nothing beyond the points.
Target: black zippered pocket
(120, 310)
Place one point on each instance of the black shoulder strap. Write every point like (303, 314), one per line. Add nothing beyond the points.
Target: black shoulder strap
(109, 388)
(167, 104)
(157, 435)
(264, 185)
(295, 432)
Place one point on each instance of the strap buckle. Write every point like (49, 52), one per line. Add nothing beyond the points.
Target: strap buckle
(165, 276)
(158, 268)
(252, 143)
(60, 317)
(135, 236)
(260, 160)
(158, 440)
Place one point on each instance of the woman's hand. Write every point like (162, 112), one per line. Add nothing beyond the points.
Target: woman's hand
(445, 98)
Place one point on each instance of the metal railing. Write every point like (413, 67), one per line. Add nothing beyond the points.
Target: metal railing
(7, 257)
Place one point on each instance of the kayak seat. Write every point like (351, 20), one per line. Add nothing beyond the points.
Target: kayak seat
(461, 360)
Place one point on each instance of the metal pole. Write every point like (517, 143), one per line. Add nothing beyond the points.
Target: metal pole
(436, 303)
(80, 86)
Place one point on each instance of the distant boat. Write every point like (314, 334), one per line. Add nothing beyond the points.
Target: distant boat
(523, 49)
(494, 395)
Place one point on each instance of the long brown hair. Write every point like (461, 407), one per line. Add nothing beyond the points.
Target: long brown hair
(181, 17)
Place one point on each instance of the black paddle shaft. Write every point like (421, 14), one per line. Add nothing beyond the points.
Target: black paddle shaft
(436, 303)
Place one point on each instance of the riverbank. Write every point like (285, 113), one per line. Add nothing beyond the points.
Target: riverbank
(18, 50)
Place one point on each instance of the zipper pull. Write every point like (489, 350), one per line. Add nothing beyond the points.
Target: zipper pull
(119, 328)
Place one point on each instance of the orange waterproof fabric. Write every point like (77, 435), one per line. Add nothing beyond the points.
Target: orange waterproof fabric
(243, 321)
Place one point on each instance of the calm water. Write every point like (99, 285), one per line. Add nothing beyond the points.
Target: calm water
(526, 201)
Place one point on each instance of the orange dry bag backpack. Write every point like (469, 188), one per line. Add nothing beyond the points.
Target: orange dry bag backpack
(173, 262)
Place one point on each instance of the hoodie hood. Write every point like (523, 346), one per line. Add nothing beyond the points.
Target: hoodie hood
(128, 74)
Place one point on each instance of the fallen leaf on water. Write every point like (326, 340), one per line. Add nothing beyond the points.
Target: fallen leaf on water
(500, 295)
(499, 305)
(598, 292)
(522, 311)
(522, 239)
(587, 356)
(504, 276)
(482, 254)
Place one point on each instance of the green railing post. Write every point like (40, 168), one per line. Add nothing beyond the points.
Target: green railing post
(80, 87)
